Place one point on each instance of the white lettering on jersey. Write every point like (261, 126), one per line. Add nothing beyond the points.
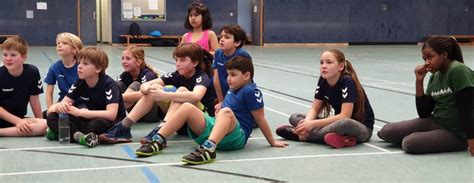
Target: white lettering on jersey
(73, 87)
(221, 64)
(258, 96)
(60, 75)
(109, 94)
(84, 98)
(199, 79)
(441, 92)
(7, 89)
(344, 92)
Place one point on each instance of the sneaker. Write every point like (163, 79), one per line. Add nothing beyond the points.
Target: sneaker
(90, 140)
(117, 134)
(200, 156)
(286, 131)
(147, 138)
(150, 149)
(338, 141)
(50, 135)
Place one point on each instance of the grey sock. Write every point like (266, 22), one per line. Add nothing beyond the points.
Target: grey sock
(78, 136)
(127, 122)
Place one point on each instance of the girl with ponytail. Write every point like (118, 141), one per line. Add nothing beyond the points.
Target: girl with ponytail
(446, 120)
(339, 89)
(135, 72)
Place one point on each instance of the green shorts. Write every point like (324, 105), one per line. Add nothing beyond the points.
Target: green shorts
(232, 141)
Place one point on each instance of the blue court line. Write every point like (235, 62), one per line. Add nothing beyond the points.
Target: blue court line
(47, 56)
(147, 171)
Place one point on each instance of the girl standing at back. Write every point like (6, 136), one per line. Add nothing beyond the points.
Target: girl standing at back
(199, 24)
(339, 88)
(446, 120)
(136, 71)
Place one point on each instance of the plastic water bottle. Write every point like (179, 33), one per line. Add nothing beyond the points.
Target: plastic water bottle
(64, 128)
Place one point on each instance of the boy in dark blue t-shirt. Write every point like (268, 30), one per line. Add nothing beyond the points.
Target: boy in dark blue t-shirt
(229, 130)
(233, 38)
(20, 84)
(97, 93)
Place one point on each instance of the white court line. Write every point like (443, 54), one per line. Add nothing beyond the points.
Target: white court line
(180, 163)
(376, 147)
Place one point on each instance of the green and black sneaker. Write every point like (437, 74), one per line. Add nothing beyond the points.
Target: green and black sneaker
(90, 140)
(201, 155)
(50, 135)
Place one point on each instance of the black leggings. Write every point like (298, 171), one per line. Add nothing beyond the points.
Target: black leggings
(78, 124)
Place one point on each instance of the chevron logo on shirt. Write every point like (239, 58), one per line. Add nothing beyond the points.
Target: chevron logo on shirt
(168, 75)
(119, 78)
(40, 84)
(258, 96)
(344, 92)
(317, 89)
(109, 94)
(199, 79)
(73, 87)
(143, 79)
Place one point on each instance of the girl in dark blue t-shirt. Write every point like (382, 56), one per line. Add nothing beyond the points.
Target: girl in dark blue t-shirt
(338, 89)
(136, 72)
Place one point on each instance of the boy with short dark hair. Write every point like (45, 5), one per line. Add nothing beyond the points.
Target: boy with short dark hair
(232, 39)
(230, 129)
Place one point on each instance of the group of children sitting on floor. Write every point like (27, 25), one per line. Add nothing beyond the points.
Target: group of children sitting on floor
(213, 99)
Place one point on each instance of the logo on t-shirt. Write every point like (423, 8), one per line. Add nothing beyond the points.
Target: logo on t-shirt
(40, 84)
(441, 92)
(258, 96)
(84, 98)
(73, 87)
(143, 79)
(344, 92)
(199, 79)
(168, 75)
(60, 75)
(109, 94)
(317, 89)
(7, 89)
(119, 78)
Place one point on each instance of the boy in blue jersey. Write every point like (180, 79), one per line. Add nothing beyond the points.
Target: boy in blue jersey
(230, 129)
(20, 84)
(230, 45)
(97, 93)
(64, 71)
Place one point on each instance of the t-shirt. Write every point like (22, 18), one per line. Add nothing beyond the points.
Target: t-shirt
(199, 78)
(144, 76)
(442, 88)
(242, 102)
(344, 91)
(65, 77)
(16, 91)
(219, 63)
(105, 92)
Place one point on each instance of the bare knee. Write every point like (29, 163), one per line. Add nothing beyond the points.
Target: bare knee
(225, 113)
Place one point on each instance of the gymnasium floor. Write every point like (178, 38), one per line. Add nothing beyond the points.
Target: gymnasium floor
(287, 76)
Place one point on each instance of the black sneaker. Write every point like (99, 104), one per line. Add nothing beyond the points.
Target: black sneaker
(201, 155)
(90, 140)
(151, 148)
(286, 131)
(117, 134)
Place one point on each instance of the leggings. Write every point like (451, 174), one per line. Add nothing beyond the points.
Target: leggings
(155, 113)
(346, 127)
(422, 135)
(78, 124)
